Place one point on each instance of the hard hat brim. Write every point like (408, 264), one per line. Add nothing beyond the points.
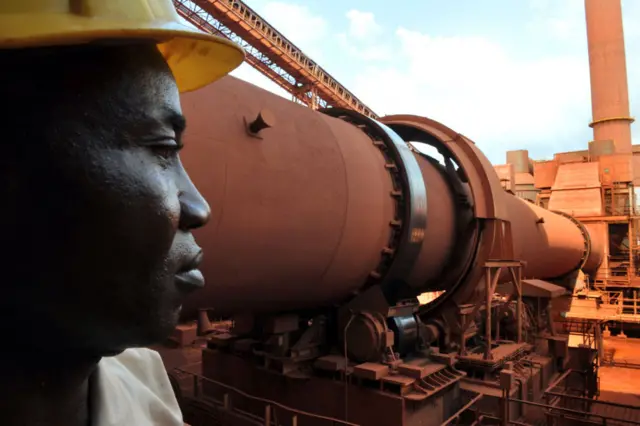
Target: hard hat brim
(195, 58)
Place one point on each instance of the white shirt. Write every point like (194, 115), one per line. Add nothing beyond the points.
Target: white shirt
(133, 389)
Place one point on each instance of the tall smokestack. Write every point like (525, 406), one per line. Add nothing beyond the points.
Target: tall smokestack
(608, 70)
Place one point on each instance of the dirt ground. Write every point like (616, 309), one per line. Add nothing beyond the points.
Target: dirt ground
(623, 380)
(625, 350)
(619, 383)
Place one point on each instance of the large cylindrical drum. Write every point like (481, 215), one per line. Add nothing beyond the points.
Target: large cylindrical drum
(306, 208)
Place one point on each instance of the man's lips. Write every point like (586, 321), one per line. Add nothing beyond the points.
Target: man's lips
(190, 280)
(189, 277)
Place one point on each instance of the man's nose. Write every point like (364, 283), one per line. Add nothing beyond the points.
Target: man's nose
(194, 209)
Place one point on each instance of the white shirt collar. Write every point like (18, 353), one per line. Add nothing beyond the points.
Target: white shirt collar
(133, 389)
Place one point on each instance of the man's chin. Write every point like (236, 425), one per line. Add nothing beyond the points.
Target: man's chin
(150, 331)
(160, 330)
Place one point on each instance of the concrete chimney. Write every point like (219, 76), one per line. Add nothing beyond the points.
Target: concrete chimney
(608, 70)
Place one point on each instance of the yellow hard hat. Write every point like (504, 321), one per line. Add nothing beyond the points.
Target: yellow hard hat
(196, 58)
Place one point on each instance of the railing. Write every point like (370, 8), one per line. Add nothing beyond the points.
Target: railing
(583, 326)
(589, 410)
(558, 409)
(624, 275)
(626, 302)
(569, 403)
(618, 200)
(232, 398)
(567, 414)
(466, 408)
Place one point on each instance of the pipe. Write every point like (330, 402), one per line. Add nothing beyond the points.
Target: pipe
(551, 246)
(309, 209)
(608, 73)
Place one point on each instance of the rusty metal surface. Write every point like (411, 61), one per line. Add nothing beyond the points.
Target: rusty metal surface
(577, 176)
(483, 181)
(410, 195)
(473, 248)
(529, 194)
(303, 211)
(440, 237)
(577, 202)
(544, 173)
(599, 238)
(323, 397)
(300, 217)
(550, 244)
(507, 176)
(520, 160)
(615, 168)
(524, 179)
(635, 160)
(598, 148)
(551, 249)
(535, 288)
(571, 157)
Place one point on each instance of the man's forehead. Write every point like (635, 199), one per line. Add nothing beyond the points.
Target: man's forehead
(158, 115)
(135, 75)
(74, 56)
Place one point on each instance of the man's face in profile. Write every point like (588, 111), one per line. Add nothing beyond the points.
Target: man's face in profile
(97, 205)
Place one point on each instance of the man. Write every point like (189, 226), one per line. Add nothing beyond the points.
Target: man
(96, 206)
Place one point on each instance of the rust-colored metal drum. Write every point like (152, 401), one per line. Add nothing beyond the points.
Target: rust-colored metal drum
(552, 245)
(309, 209)
(300, 212)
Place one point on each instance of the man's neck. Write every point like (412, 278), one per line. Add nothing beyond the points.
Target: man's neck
(45, 390)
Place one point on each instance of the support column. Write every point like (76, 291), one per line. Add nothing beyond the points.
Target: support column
(516, 275)
(488, 288)
(493, 269)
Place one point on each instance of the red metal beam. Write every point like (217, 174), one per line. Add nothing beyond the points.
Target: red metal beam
(271, 53)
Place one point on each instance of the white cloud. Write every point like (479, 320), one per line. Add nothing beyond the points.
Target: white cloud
(473, 85)
(370, 52)
(539, 4)
(563, 28)
(360, 40)
(297, 23)
(503, 99)
(249, 74)
(362, 25)
(558, 21)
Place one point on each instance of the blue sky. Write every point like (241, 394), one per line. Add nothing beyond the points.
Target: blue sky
(509, 74)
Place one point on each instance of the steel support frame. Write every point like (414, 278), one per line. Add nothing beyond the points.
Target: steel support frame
(315, 89)
(204, 21)
(492, 271)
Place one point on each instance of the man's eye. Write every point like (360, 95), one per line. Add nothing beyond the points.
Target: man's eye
(166, 150)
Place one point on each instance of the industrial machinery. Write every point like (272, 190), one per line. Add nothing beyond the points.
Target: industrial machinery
(329, 228)
(328, 225)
